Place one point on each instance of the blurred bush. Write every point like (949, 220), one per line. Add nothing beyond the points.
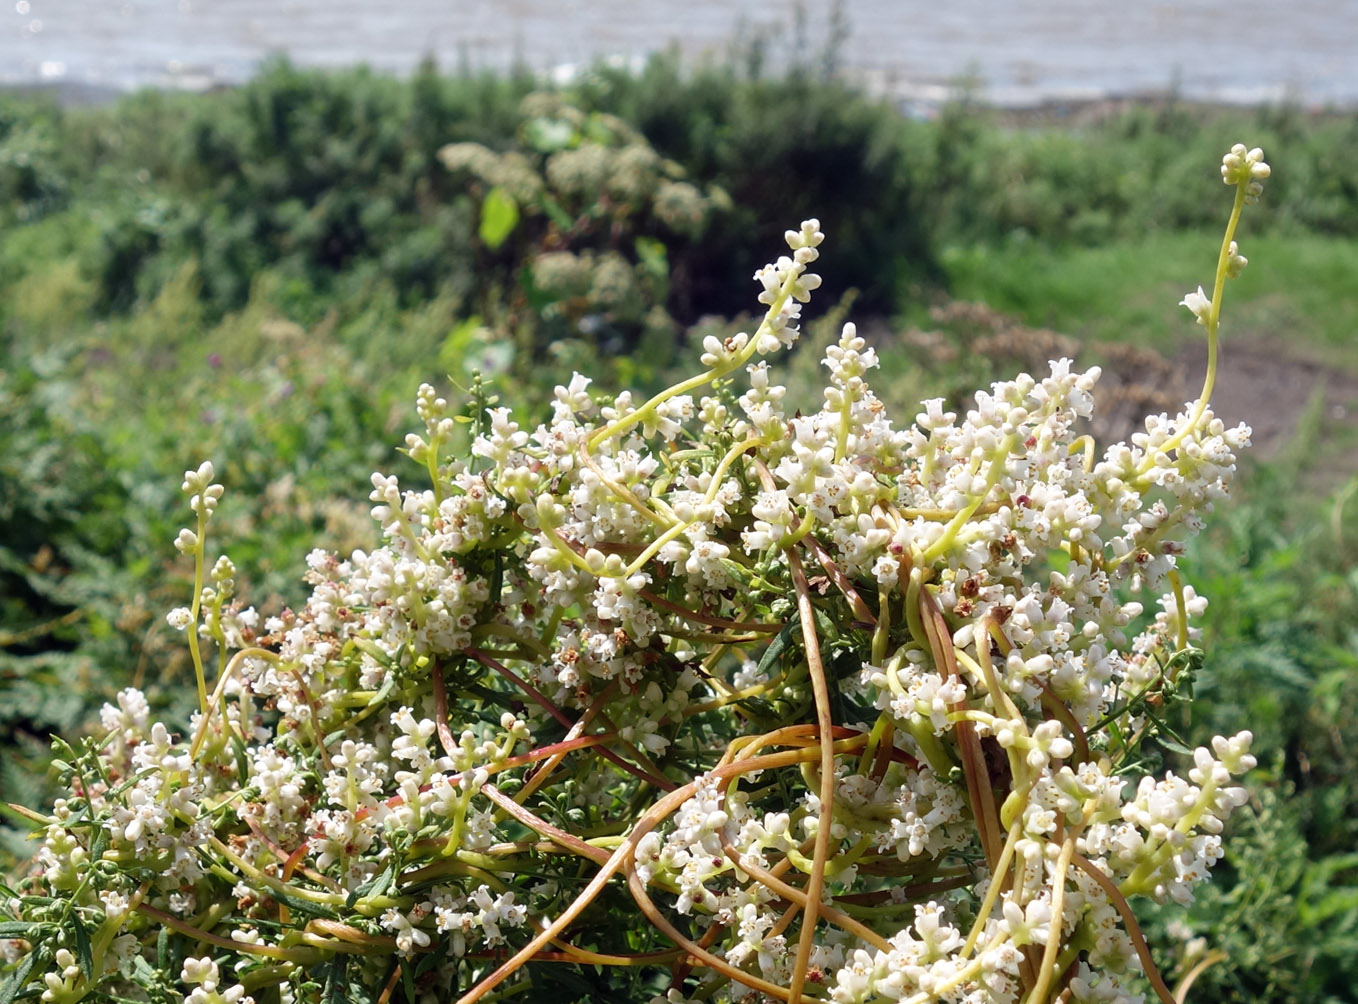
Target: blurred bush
(784, 148)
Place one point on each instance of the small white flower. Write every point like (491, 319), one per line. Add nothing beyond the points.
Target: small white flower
(1199, 304)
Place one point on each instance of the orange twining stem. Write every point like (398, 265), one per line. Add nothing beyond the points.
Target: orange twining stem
(539, 825)
(651, 774)
(713, 962)
(861, 609)
(755, 627)
(983, 808)
(798, 897)
(293, 859)
(622, 856)
(1129, 921)
(820, 687)
(385, 995)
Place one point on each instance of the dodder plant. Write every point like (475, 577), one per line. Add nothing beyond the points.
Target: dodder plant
(763, 706)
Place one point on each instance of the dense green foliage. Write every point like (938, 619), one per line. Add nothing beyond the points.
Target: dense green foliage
(276, 267)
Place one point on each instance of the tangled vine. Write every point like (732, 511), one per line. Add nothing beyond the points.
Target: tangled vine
(758, 705)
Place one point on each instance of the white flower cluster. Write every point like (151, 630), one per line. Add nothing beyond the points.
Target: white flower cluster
(611, 642)
(207, 975)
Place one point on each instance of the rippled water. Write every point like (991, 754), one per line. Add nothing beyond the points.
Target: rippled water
(1022, 50)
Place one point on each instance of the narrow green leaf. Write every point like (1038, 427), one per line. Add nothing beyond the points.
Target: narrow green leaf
(776, 647)
(302, 905)
(14, 983)
(99, 845)
(84, 951)
(408, 982)
(556, 212)
(375, 886)
(163, 950)
(336, 989)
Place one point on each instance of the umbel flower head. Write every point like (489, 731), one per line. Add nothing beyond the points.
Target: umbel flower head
(809, 706)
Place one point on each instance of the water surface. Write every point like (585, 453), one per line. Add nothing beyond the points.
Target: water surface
(1021, 51)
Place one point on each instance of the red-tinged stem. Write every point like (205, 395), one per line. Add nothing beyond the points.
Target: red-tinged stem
(860, 607)
(290, 860)
(1056, 707)
(815, 884)
(387, 990)
(539, 825)
(659, 780)
(701, 618)
(798, 897)
(315, 707)
(685, 964)
(208, 938)
(571, 953)
(983, 809)
(567, 917)
(445, 733)
(1120, 904)
(620, 858)
(336, 929)
(713, 962)
(1058, 710)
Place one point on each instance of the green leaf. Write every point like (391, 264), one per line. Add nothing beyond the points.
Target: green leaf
(10, 988)
(556, 212)
(499, 217)
(303, 906)
(407, 982)
(653, 257)
(100, 844)
(375, 886)
(84, 952)
(336, 990)
(776, 647)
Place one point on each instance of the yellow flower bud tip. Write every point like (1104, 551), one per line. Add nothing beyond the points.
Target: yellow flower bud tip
(1242, 166)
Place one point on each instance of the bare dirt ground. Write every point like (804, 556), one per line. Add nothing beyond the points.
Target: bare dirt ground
(1291, 400)
(1270, 385)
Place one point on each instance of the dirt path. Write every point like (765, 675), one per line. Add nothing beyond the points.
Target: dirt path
(1270, 386)
(1268, 382)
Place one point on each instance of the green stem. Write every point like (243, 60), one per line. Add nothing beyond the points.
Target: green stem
(1212, 324)
(621, 425)
(194, 610)
(944, 543)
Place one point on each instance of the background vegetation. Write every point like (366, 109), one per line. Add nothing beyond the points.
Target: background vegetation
(262, 276)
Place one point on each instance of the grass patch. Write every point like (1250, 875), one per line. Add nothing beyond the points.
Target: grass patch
(1301, 289)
